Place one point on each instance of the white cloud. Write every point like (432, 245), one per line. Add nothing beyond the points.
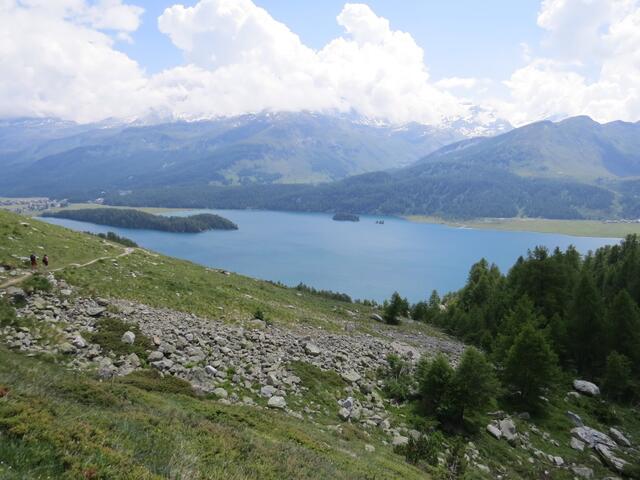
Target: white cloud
(58, 58)
(590, 64)
(55, 62)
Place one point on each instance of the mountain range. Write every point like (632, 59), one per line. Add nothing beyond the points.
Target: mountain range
(575, 168)
(54, 157)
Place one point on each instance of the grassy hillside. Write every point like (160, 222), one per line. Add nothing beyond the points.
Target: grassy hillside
(57, 424)
(161, 281)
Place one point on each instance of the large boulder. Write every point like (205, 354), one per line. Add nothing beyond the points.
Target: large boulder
(508, 429)
(376, 317)
(592, 437)
(619, 437)
(312, 349)
(351, 376)
(128, 338)
(494, 431)
(277, 402)
(610, 459)
(575, 419)
(586, 388)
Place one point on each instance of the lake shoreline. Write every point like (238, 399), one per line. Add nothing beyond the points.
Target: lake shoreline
(575, 228)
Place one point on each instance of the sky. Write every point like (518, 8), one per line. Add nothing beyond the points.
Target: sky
(389, 60)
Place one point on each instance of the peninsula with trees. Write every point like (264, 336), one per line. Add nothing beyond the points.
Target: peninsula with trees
(130, 218)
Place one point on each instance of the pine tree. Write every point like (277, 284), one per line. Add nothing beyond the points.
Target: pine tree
(434, 378)
(393, 309)
(617, 382)
(623, 320)
(530, 365)
(586, 330)
(473, 387)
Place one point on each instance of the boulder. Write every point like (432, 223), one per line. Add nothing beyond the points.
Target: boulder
(376, 317)
(155, 356)
(312, 349)
(268, 391)
(128, 337)
(369, 448)
(95, 311)
(277, 402)
(79, 342)
(399, 441)
(577, 444)
(351, 376)
(609, 458)
(586, 388)
(67, 348)
(16, 293)
(344, 414)
(220, 393)
(582, 472)
(592, 437)
(494, 431)
(575, 419)
(619, 437)
(508, 429)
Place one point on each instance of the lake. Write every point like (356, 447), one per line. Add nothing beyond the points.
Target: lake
(362, 259)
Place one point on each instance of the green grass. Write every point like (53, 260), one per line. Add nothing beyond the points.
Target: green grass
(108, 335)
(57, 424)
(578, 228)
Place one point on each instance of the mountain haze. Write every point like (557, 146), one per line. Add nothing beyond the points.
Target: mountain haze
(58, 158)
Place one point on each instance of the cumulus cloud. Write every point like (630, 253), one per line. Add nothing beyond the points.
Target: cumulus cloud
(55, 61)
(590, 64)
(60, 58)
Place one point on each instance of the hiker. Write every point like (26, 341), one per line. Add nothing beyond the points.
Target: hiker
(45, 261)
(34, 261)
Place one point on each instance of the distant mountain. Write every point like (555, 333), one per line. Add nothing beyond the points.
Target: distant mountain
(53, 157)
(577, 148)
(575, 168)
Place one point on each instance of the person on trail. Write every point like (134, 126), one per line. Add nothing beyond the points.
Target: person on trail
(45, 261)
(34, 261)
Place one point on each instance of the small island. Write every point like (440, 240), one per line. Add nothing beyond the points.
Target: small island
(346, 217)
(130, 218)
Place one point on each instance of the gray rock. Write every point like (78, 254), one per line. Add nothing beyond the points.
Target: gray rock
(399, 441)
(66, 292)
(312, 349)
(257, 324)
(220, 393)
(577, 444)
(344, 414)
(494, 431)
(582, 472)
(619, 437)
(586, 388)
(95, 311)
(128, 337)
(133, 360)
(16, 293)
(508, 429)
(351, 376)
(376, 317)
(277, 402)
(155, 356)
(610, 459)
(558, 461)
(79, 342)
(267, 391)
(369, 448)
(165, 364)
(592, 437)
(575, 419)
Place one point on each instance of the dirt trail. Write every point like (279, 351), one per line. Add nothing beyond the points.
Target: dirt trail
(16, 280)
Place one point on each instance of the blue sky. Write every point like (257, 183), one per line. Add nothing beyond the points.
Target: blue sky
(458, 37)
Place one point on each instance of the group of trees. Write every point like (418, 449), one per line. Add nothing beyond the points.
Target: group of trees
(129, 218)
(452, 191)
(552, 310)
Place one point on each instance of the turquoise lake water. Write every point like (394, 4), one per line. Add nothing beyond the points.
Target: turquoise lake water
(362, 259)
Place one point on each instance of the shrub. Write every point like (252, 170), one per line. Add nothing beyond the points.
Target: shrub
(423, 450)
(36, 283)
(398, 381)
(109, 333)
(617, 383)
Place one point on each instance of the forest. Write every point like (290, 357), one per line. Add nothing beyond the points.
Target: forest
(553, 313)
(130, 218)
